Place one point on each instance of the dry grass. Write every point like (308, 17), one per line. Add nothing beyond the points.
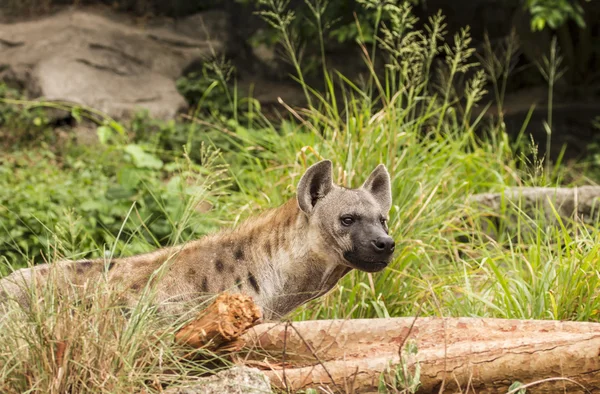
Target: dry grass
(84, 341)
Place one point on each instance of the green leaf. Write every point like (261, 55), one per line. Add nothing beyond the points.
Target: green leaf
(579, 20)
(104, 134)
(118, 192)
(117, 127)
(143, 159)
(175, 184)
(171, 167)
(91, 205)
(129, 177)
(537, 24)
(515, 386)
(412, 348)
(76, 114)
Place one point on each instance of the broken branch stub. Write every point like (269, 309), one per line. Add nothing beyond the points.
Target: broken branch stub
(484, 355)
(223, 321)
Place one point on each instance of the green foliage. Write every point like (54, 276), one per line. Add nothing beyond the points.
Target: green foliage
(34, 198)
(554, 13)
(145, 184)
(308, 29)
(78, 203)
(515, 388)
(209, 91)
(20, 125)
(342, 21)
(405, 377)
(424, 129)
(82, 342)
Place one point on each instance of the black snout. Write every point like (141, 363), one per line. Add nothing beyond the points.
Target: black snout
(383, 244)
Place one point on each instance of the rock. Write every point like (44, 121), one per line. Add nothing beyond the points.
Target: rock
(99, 59)
(208, 25)
(237, 380)
(266, 55)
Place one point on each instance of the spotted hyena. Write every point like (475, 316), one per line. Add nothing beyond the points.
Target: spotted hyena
(282, 258)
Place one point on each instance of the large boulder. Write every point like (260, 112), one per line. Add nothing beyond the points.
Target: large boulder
(102, 60)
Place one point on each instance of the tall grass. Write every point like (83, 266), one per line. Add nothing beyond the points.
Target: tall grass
(80, 343)
(419, 118)
(422, 115)
(79, 339)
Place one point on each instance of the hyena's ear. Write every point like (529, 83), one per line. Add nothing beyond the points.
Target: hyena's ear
(379, 185)
(316, 182)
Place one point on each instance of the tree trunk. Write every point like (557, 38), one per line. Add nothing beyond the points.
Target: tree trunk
(484, 355)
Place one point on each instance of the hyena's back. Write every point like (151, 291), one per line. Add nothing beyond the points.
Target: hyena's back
(24, 283)
(128, 274)
(176, 278)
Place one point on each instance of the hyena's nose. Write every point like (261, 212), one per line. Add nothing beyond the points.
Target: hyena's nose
(384, 244)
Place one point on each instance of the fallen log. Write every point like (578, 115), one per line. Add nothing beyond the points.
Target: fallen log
(222, 322)
(431, 354)
(578, 204)
(452, 354)
(582, 202)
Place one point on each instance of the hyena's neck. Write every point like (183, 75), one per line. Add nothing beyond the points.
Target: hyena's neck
(276, 250)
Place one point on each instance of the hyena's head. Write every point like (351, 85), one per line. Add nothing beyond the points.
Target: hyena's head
(349, 223)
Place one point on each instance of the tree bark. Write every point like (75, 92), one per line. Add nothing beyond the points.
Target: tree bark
(228, 317)
(484, 355)
(499, 212)
(581, 203)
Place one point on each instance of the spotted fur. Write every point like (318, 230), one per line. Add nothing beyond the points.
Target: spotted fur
(282, 258)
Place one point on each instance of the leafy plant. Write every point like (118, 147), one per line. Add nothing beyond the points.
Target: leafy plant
(419, 117)
(78, 203)
(402, 378)
(554, 13)
(21, 125)
(145, 184)
(515, 388)
(209, 91)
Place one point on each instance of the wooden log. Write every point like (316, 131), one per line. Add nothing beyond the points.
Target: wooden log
(222, 322)
(578, 204)
(468, 354)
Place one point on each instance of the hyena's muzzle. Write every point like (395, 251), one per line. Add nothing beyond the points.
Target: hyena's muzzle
(372, 248)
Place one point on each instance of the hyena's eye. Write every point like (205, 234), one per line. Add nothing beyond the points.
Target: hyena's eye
(383, 222)
(347, 220)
